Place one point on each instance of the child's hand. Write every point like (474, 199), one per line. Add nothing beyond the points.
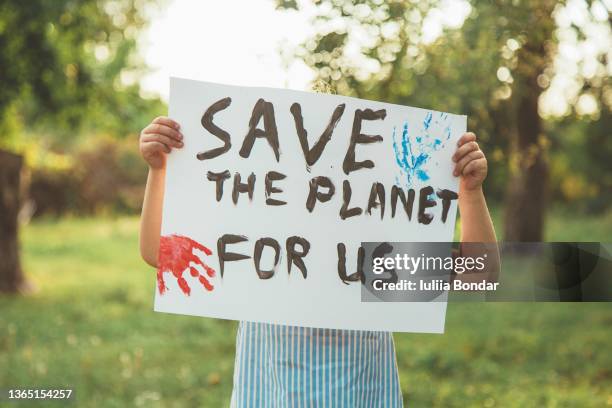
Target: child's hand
(471, 163)
(158, 139)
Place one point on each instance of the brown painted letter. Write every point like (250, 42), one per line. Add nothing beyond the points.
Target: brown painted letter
(425, 203)
(259, 246)
(377, 197)
(239, 187)
(349, 163)
(314, 193)
(294, 256)
(265, 109)
(229, 256)
(312, 155)
(354, 277)
(207, 122)
(272, 176)
(447, 196)
(218, 178)
(345, 212)
(408, 203)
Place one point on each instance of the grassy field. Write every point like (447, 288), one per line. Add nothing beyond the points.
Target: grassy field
(90, 326)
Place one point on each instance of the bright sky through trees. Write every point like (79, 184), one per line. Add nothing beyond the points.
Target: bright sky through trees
(250, 43)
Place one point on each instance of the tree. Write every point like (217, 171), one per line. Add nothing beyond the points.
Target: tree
(527, 188)
(11, 275)
(60, 67)
(494, 65)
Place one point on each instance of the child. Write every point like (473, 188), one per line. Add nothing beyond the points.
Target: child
(295, 366)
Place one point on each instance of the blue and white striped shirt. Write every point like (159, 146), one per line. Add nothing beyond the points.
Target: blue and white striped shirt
(288, 366)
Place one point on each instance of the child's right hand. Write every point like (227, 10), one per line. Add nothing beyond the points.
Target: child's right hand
(158, 139)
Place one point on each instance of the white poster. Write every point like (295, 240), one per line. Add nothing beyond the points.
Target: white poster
(272, 194)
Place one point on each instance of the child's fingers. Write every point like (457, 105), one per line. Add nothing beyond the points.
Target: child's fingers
(474, 166)
(153, 147)
(162, 139)
(155, 128)
(466, 160)
(163, 120)
(466, 137)
(465, 149)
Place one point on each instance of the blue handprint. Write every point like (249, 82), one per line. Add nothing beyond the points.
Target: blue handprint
(412, 155)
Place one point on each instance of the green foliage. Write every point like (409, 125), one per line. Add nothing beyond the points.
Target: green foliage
(69, 96)
(65, 68)
(91, 327)
(105, 175)
(287, 4)
(581, 161)
(498, 62)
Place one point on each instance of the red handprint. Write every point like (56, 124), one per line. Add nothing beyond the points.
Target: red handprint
(175, 255)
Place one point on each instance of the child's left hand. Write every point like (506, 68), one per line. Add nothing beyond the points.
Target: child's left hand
(471, 163)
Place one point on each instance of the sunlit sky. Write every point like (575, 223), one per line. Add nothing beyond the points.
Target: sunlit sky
(231, 41)
(240, 42)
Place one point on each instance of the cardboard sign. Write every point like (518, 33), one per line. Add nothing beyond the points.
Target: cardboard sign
(268, 202)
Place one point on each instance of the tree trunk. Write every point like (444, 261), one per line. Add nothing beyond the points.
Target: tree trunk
(11, 276)
(527, 189)
(526, 195)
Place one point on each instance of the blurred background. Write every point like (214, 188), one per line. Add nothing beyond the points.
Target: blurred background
(79, 79)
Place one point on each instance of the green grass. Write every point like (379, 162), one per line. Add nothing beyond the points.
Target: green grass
(563, 226)
(90, 326)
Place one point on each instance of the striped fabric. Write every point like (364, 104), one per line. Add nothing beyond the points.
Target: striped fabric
(288, 366)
